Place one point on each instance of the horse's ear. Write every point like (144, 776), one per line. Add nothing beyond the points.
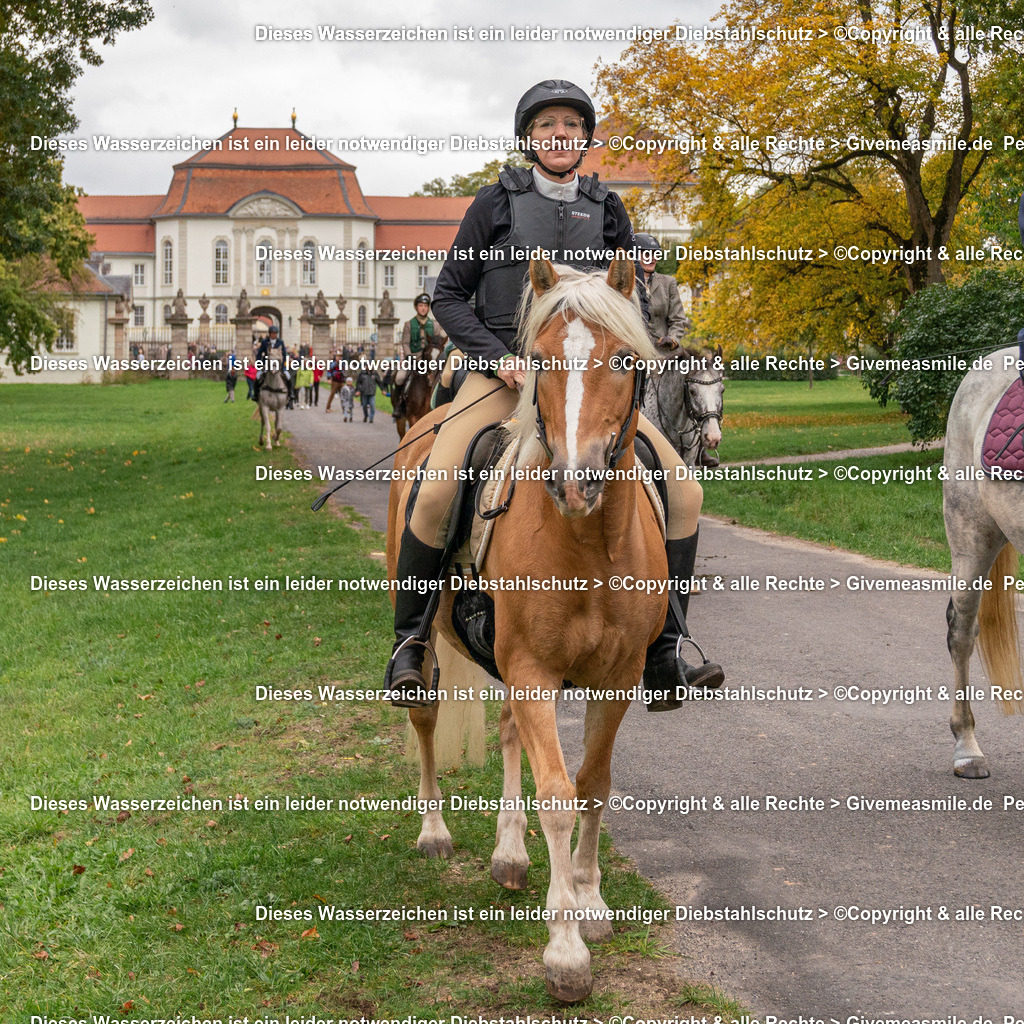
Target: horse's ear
(542, 276)
(622, 274)
(718, 352)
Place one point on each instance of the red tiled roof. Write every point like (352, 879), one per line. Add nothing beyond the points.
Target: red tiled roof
(118, 207)
(213, 181)
(112, 239)
(411, 236)
(421, 209)
(429, 222)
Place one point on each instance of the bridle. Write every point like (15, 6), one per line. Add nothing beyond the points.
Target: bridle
(617, 443)
(689, 438)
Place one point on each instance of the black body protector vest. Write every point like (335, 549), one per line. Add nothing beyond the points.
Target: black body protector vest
(567, 230)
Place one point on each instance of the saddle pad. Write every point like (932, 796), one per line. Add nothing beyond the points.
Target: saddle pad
(1003, 447)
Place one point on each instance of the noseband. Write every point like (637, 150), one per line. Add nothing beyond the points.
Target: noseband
(691, 435)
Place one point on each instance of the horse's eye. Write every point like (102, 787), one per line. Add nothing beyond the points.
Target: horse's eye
(623, 360)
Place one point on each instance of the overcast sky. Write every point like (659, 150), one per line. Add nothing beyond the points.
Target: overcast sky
(197, 60)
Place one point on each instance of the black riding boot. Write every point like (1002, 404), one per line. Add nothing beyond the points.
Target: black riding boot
(664, 671)
(404, 676)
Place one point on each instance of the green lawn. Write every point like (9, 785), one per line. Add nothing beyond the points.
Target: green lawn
(152, 695)
(771, 418)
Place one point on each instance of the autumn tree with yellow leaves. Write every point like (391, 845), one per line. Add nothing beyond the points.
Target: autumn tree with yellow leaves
(820, 127)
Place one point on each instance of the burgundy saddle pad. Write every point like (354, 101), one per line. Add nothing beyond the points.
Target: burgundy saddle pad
(1004, 437)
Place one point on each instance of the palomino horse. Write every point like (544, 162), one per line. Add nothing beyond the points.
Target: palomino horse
(577, 418)
(985, 530)
(273, 398)
(410, 396)
(684, 401)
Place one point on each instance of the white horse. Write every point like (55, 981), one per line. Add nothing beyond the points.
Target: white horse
(273, 398)
(985, 530)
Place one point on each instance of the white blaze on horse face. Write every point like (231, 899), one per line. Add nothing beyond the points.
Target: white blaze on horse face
(577, 346)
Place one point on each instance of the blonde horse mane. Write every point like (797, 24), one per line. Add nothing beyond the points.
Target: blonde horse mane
(587, 295)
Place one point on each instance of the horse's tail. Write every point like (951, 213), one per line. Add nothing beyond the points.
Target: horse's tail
(998, 640)
(460, 722)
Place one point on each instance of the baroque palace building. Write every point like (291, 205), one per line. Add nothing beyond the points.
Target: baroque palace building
(189, 253)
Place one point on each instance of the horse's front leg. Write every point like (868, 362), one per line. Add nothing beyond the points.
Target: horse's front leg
(593, 784)
(566, 957)
(434, 839)
(265, 429)
(509, 862)
(277, 427)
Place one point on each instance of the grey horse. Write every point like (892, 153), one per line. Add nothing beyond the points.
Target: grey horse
(273, 398)
(684, 401)
(985, 529)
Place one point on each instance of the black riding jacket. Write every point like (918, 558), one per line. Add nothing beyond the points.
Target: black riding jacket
(487, 226)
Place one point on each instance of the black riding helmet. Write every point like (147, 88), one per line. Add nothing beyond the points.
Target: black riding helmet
(646, 243)
(554, 92)
(422, 297)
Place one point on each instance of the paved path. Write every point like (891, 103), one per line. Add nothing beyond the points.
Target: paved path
(845, 453)
(823, 748)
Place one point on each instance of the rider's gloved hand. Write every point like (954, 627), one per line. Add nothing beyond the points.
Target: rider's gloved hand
(512, 370)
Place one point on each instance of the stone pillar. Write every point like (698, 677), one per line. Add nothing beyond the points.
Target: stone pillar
(118, 322)
(179, 342)
(387, 343)
(305, 331)
(243, 336)
(320, 335)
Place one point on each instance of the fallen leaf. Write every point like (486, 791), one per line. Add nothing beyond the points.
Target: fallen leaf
(77, 869)
(310, 933)
(123, 816)
(127, 853)
(41, 955)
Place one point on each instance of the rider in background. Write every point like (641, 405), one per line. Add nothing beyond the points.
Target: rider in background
(549, 206)
(418, 333)
(272, 347)
(668, 323)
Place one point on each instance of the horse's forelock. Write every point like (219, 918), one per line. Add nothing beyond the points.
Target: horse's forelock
(577, 294)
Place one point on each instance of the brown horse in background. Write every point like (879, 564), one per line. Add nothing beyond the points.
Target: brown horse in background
(584, 521)
(410, 400)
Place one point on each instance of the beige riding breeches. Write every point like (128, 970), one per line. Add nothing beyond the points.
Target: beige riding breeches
(433, 509)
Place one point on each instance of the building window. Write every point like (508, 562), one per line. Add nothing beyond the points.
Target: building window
(421, 277)
(309, 265)
(168, 262)
(138, 316)
(139, 274)
(220, 263)
(167, 312)
(220, 314)
(265, 268)
(65, 340)
(361, 269)
(361, 316)
(389, 275)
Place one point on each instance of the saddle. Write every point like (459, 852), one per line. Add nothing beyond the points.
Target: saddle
(485, 492)
(1003, 447)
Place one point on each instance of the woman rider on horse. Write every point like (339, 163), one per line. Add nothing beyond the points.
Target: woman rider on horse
(549, 206)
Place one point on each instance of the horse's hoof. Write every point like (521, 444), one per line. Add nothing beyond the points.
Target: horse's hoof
(511, 876)
(435, 848)
(592, 930)
(975, 768)
(569, 986)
